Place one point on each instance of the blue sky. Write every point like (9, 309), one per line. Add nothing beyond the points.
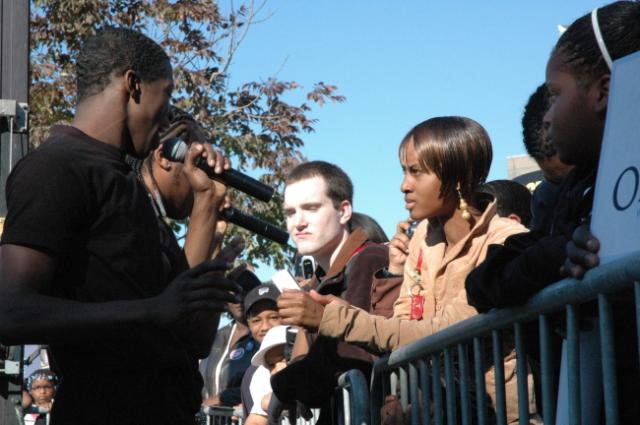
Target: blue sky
(399, 63)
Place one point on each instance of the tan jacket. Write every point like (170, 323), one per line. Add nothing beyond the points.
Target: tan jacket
(445, 298)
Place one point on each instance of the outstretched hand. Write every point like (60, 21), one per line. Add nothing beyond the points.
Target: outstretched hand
(202, 288)
(582, 253)
(306, 309)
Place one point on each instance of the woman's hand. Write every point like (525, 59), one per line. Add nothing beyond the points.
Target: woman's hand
(399, 248)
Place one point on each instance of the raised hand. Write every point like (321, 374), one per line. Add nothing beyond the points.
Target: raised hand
(399, 248)
(202, 288)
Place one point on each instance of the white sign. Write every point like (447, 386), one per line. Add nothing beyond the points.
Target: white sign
(616, 205)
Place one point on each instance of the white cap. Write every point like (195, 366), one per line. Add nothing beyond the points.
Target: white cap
(274, 337)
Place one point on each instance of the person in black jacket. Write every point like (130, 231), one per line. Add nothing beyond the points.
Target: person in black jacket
(578, 76)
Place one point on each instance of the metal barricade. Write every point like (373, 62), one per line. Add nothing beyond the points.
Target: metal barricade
(219, 415)
(446, 370)
(355, 398)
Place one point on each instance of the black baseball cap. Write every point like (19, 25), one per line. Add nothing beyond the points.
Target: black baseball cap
(267, 291)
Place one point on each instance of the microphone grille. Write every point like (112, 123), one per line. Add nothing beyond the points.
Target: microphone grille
(174, 149)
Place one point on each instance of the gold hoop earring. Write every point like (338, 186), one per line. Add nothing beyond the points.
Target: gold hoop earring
(464, 207)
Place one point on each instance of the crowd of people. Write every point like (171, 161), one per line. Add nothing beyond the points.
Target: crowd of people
(89, 266)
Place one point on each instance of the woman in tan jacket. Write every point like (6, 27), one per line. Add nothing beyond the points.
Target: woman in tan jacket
(444, 160)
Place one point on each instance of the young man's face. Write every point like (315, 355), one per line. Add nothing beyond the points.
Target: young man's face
(262, 317)
(148, 112)
(575, 126)
(314, 223)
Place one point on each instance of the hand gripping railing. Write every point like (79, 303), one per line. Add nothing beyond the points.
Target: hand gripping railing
(441, 362)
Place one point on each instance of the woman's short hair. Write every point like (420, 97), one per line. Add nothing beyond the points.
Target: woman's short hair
(456, 149)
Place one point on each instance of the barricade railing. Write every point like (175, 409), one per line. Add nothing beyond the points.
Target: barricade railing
(355, 398)
(219, 415)
(438, 374)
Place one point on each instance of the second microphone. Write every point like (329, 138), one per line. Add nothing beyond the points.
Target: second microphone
(175, 150)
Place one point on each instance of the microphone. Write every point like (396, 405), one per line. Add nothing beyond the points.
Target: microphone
(175, 150)
(255, 225)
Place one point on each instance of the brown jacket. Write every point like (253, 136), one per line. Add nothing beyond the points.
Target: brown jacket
(312, 379)
(442, 286)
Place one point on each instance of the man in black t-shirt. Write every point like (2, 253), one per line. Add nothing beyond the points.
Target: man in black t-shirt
(80, 264)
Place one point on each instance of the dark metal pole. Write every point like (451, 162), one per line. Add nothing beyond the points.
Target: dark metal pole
(14, 93)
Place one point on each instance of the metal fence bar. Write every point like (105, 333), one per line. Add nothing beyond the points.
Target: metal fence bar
(478, 368)
(498, 365)
(608, 278)
(573, 364)
(546, 371)
(436, 388)
(426, 392)
(465, 390)
(413, 394)
(355, 397)
(451, 387)
(607, 347)
(521, 373)
(404, 388)
(568, 294)
(379, 389)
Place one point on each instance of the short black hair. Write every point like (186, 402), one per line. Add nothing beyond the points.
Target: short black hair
(114, 51)
(536, 140)
(512, 198)
(339, 185)
(620, 27)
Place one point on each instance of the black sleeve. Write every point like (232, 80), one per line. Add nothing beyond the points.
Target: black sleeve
(46, 204)
(230, 397)
(513, 272)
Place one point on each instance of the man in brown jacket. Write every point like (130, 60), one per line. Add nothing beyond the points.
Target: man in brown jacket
(318, 207)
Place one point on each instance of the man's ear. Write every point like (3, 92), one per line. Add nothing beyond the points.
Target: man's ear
(345, 209)
(602, 93)
(163, 162)
(132, 82)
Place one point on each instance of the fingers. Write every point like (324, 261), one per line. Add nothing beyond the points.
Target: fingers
(232, 250)
(291, 298)
(215, 281)
(208, 305)
(322, 299)
(584, 239)
(582, 257)
(403, 226)
(206, 267)
(570, 269)
(226, 203)
(235, 273)
(211, 293)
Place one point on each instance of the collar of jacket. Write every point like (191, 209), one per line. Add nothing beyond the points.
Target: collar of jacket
(356, 239)
(481, 225)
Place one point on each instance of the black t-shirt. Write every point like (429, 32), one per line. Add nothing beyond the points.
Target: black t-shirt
(76, 199)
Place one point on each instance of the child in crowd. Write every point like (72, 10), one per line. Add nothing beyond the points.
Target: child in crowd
(444, 160)
(41, 386)
(261, 312)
